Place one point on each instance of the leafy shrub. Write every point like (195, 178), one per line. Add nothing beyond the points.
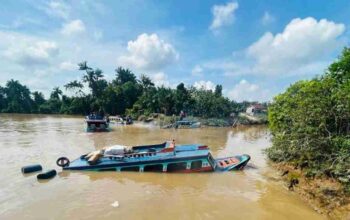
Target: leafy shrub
(310, 122)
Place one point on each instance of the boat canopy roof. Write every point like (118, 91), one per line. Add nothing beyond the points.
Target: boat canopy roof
(145, 154)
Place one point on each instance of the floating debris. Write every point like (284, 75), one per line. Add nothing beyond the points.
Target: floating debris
(115, 204)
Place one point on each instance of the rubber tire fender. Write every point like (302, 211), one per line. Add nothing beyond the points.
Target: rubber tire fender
(31, 168)
(46, 175)
(62, 162)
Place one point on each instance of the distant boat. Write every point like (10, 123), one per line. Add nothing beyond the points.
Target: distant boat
(120, 120)
(116, 119)
(96, 123)
(155, 158)
(184, 124)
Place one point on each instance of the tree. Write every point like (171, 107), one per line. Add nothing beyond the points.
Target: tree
(165, 100)
(182, 98)
(124, 76)
(146, 83)
(218, 90)
(56, 93)
(17, 97)
(94, 78)
(3, 103)
(38, 100)
(75, 86)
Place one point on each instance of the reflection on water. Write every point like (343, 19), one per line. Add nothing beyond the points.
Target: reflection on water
(28, 139)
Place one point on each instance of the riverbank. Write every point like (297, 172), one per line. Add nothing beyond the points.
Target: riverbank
(325, 195)
(239, 119)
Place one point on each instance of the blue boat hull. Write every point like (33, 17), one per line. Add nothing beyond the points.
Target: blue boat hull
(161, 158)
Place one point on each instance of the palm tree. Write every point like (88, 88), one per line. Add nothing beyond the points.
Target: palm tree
(74, 86)
(56, 92)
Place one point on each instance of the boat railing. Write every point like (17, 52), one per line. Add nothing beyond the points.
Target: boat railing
(143, 147)
(140, 155)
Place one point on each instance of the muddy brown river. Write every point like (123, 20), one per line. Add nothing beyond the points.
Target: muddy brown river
(253, 193)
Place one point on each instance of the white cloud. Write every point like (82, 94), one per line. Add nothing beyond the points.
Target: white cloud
(160, 79)
(69, 66)
(149, 52)
(304, 47)
(245, 91)
(58, 9)
(27, 51)
(302, 42)
(223, 15)
(26, 56)
(267, 18)
(206, 85)
(73, 27)
(197, 70)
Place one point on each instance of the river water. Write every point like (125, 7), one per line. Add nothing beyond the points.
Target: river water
(253, 193)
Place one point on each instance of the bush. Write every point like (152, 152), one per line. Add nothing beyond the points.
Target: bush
(310, 123)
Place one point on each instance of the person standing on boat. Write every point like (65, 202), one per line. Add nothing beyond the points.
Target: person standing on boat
(182, 115)
(172, 144)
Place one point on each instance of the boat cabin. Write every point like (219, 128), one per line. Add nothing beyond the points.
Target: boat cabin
(96, 123)
(154, 158)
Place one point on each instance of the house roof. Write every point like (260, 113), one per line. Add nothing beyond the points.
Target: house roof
(257, 106)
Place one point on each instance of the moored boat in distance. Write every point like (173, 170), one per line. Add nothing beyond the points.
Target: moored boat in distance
(165, 157)
(120, 120)
(96, 123)
(184, 124)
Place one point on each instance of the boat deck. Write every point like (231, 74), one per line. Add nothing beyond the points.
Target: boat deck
(144, 156)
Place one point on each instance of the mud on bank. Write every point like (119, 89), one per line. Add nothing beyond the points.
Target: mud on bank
(324, 195)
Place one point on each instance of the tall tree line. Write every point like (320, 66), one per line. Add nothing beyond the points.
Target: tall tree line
(125, 94)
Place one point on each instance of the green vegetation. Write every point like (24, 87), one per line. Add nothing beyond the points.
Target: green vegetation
(310, 124)
(125, 94)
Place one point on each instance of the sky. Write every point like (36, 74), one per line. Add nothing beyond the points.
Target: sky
(254, 48)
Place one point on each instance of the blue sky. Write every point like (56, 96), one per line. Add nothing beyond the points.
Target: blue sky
(254, 48)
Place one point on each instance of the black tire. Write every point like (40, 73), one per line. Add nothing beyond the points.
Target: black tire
(62, 162)
(46, 175)
(31, 168)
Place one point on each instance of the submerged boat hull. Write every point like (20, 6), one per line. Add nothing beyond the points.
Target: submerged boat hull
(161, 158)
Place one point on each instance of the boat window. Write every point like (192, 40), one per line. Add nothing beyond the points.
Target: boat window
(153, 168)
(205, 164)
(196, 164)
(130, 169)
(211, 159)
(176, 166)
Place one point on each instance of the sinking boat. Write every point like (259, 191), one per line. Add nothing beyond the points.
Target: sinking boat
(96, 123)
(156, 158)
